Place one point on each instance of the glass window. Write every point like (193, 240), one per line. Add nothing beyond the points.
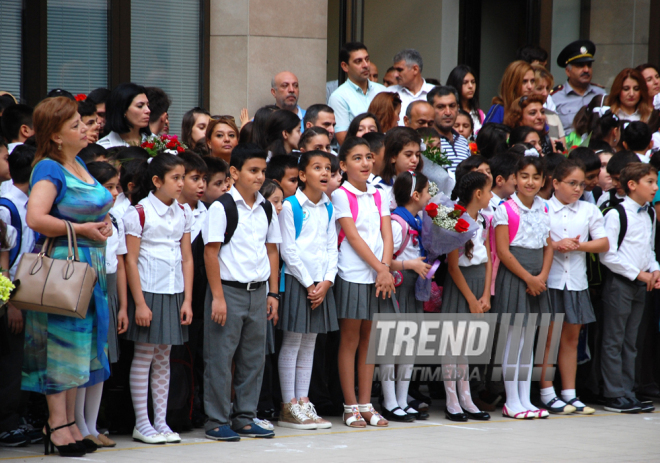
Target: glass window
(10, 48)
(77, 45)
(165, 48)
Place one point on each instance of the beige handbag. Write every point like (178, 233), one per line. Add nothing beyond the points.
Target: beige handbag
(55, 286)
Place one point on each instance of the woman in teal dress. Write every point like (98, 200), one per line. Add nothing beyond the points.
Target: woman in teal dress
(64, 353)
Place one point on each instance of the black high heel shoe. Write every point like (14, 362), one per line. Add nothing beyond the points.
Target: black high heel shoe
(69, 450)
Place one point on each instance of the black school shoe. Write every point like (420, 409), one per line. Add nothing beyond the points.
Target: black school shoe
(645, 406)
(622, 405)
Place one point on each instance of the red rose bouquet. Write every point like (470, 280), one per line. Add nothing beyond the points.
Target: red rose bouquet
(155, 144)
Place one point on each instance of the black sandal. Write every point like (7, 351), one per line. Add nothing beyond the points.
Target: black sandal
(68, 450)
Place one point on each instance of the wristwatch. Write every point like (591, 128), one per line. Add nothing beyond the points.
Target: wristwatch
(275, 295)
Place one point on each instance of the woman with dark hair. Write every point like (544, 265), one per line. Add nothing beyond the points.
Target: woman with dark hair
(525, 134)
(64, 353)
(652, 78)
(463, 80)
(193, 126)
(629, 96)
(517, 81)
(282, 132)
(258, 135)
(492, 139)
(127, 116)
(222, 137)
(386, 106)
(364, 123)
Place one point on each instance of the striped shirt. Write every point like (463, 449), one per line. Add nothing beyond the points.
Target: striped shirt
(456, 151)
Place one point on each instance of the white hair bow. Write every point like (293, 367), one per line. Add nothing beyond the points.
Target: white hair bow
(532, 152)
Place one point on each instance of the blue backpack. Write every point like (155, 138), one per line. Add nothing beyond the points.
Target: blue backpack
(18, 225)
(298, 223)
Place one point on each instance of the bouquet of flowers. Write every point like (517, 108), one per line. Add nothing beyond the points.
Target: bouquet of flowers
(445, 227)
(6, 289)
(435, 154)
(165, 143)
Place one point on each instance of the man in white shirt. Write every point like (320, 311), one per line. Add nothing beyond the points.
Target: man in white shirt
(284, 88)
(353, 96)
(411, 86)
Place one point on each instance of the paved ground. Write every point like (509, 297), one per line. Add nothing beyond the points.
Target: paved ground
(602, 437)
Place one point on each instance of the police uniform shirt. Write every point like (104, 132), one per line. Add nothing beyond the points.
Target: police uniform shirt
(569, 102)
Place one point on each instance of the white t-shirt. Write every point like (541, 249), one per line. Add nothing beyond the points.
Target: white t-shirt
(351, 267)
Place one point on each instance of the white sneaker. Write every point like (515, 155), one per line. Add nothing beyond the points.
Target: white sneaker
(293, 416)
(310, 411)
(264, 424)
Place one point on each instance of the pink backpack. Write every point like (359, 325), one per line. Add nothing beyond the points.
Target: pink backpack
(513, 214)
(353, 204)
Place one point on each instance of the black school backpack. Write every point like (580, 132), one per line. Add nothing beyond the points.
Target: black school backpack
(231, 211)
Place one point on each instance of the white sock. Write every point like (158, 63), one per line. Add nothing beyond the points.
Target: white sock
(92, 405)
(304, 364)
(389, 389)
(286, 365)
(452, 403)
(547, 394)
(511, 387)
(464, 394)
(80, 411)
(139, 382)
(568, 394)
(525, 378)
(160, 387)
(402, 386)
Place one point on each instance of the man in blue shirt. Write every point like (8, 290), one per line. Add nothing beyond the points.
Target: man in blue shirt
(353, 96)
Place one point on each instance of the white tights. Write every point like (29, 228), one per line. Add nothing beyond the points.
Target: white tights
(156, 358)
(518, 389)
(461, 399)
(395, 392)
(295, 364)
(88, 402)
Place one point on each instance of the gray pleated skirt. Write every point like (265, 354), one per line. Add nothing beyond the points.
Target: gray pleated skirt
(113, 308)
(358, 301)
(297, 315)
(165, 327)
(510, 291)
(405, 294)
(576, 305)
(453, 300)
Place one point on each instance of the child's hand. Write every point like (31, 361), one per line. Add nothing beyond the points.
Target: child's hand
(535, 285)
(419, 266)
(654, 283)
(14, 319)
(485, 302)
(385, 283)
(272, 306)
(475, 305)
(186, 313)
(122, 321)
(567, 244)
(219, 311)
(245, 118)
(317, 296)
(143, 315)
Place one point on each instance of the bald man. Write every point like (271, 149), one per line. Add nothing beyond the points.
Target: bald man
(419, 114)
(373, 72)
(284, 88)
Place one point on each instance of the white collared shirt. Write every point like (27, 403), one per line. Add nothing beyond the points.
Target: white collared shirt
(493, 203)
(349, 100)
(159, 263)
(20, 200)
(245, 258)
(113, 140)
(313, 256)
(122, 203)
(636, 252)
(408, 97)
(479, 251)
(11, 146)
(199, 217)
(534, 227)
(115, 246)
(569, 269)
(351, 267)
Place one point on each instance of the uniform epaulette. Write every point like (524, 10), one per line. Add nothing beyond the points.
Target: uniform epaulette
(558, 88)
(597, 85)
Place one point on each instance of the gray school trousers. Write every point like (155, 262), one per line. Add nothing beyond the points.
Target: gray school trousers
(623, 307)
(242, 339)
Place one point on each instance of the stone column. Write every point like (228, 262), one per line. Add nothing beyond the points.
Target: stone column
(252, 40)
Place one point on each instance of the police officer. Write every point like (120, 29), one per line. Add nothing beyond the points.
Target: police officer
(578, 90)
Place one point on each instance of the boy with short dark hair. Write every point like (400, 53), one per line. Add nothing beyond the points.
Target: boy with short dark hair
(241, 235)
(614, 167)
(638, 137)
(503, 170)
(376, 142)
(284, 170)
(17, 125)
(217, 178)
(633, 273)
(592, 164)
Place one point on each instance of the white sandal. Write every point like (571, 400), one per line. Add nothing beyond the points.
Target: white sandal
(354, 413)
(375, 416)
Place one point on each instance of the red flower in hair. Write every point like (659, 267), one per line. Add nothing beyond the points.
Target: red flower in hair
(458, 207)
(432, 210)
(81, 97)
(461, 226)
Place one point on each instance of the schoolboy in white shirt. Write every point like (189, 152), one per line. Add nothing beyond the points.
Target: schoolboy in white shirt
(239, 265)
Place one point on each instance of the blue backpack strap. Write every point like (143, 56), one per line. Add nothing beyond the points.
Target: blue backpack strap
(297, 223)
(330, 210)
(18, 225)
